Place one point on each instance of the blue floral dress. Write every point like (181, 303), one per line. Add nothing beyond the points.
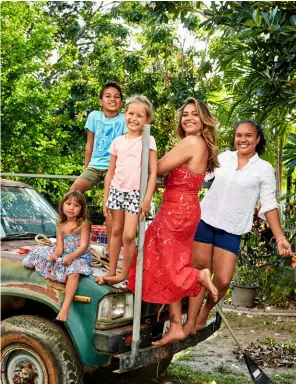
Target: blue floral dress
(54, 270)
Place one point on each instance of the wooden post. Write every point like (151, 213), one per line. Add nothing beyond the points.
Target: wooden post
(141, 234)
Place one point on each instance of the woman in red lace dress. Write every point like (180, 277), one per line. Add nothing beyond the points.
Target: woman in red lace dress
(168, 273)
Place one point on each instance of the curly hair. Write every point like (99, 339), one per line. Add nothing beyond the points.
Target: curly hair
(208, 131)
(83, 214)
(260, 147)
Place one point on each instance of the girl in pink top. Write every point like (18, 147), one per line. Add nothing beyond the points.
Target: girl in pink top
(122, 186)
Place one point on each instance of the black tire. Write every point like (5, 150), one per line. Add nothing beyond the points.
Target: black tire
(151, 371)
(36, 347)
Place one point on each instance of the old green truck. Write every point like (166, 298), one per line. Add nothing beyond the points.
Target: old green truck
(35, 349)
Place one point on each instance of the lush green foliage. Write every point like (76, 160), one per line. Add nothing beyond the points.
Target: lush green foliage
(239, 57)
(251, 54)
(289, 155)
(258, 263)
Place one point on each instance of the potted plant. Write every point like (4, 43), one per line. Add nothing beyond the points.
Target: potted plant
(255, 250)
(244, 287)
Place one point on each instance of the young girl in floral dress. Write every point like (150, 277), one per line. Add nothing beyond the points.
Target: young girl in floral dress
(71, 256)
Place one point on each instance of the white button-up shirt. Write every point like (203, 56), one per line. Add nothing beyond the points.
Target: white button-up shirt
(229, 204)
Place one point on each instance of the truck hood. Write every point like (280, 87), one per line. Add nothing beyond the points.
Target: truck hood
(16, 249)
(12, 255)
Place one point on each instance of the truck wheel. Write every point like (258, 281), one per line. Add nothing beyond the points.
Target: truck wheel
(36, 351)
(151, 371)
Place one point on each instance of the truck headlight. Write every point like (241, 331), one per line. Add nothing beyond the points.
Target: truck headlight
(116, 306)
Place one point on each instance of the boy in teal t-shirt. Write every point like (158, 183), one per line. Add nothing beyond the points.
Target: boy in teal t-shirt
(102, 128)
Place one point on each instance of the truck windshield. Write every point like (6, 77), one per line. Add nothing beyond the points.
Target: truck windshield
(24, 210)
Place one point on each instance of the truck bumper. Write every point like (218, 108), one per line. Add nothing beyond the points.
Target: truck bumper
(149, 354)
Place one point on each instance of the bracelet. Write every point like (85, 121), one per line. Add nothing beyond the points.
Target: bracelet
(281, 238)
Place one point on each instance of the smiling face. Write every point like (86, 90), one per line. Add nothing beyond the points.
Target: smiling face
(190, 121)
(246, 139)
(71, 208)
(111, 102)
(136, 118)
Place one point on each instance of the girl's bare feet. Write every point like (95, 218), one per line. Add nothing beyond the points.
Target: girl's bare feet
(201, 318)
(172, 336)
(114, 279)
(101, 279)
(205, 280)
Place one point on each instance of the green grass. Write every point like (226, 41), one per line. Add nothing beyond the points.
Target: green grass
(224, 369)
(271, 341)
(186, 355)
(187, 375)
(283, 378)
(180, 374)
(259, 322)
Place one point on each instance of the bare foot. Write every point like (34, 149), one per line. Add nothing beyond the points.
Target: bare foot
(201, 318)
(171, 337)
(189, 328)
(101, 279)
(205, 280)
(114, 279)
(63, 315)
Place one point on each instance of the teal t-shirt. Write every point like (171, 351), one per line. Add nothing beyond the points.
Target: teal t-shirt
(105, 130)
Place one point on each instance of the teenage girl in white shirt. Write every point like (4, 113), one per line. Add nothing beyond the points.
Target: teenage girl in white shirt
(227, 213)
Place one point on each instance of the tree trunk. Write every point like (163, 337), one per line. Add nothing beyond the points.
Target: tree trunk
(279, 165)
(289, 184)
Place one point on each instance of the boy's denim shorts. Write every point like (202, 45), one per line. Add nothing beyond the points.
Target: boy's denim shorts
(205, 233)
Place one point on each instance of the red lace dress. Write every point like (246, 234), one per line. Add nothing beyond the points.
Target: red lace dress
(168, 273)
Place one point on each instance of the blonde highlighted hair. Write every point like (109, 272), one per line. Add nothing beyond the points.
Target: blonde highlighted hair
(139, 99)
(83, 214)
(208, 131)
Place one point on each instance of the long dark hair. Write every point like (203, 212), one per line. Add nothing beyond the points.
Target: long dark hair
(83, 214)
(260, 147)
(208, 131)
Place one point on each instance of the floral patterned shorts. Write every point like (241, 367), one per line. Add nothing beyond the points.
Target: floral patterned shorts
(124, 201)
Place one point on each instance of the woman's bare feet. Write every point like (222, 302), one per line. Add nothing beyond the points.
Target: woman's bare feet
(172, 336)
(63, 314)
(205, 280)
(201, 318)
(189, 328)
(101, 279)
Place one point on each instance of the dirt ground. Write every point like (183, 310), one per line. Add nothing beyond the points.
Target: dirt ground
(216, 354)
(218, 350)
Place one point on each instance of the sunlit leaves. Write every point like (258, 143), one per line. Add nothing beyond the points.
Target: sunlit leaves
(289, 154)
(57, 55)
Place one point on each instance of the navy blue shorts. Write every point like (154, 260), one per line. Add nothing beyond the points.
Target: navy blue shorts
(205, 233)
